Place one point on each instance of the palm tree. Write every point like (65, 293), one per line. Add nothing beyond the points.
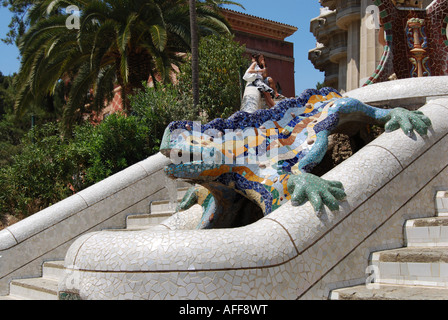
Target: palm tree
(214, 5)
(194, 52)
(122, 42)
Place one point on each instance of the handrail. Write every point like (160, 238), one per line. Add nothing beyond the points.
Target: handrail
(410, 91)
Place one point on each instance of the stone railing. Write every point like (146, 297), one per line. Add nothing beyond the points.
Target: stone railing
(48, 234)
(412, 93)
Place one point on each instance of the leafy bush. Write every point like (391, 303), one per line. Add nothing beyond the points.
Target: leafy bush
(39, 175)
(116, 143)
(157, 108)
(50, 167)
(221, 62)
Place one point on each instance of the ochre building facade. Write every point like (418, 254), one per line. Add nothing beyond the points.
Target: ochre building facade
(267, 37)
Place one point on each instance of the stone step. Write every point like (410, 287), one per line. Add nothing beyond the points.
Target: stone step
(163, 206)
(34, 289)
(143, 221)
(416, 272)
(44, 288)
(390, 292)
(426, 266)
(427, 232)
(442, 203)
(53, 269)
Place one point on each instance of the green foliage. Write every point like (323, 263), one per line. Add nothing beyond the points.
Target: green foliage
(50, 167)
(45, 165)
(13, 128)
(118, 42)
(38, 175)
(116, 143)
(17, 25)
(158, 107)
(320, 85)
(10, 139)
(221, 60)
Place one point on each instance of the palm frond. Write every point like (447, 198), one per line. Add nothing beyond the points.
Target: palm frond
(159, 37)
(113, 36)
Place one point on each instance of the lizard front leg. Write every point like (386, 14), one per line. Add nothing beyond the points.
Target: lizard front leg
(203, 197)
(318, 191)
(407, 121)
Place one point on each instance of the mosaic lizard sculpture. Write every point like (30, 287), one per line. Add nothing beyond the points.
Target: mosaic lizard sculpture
(249, 165)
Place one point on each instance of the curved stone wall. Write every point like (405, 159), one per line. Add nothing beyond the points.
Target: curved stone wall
(411, 92)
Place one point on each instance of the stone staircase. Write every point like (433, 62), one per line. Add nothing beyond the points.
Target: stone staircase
(418, 271)
(159, 211)
(46, 287)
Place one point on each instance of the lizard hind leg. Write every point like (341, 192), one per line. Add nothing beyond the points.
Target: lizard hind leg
(222, 206)
(230, 208)
(199, 195)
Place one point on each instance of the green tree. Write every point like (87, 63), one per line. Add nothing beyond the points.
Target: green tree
(6, 94)
(195, 43)
(10, 131)
(157, 107)
(194, 52)
(12, 128)
(221, 60)
(17, 25)
(51, 167)
(116, 143)
(320, 85)
(118, 42)
(39, 174)
(10, 140)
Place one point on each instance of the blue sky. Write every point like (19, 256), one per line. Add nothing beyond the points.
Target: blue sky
(297, 13)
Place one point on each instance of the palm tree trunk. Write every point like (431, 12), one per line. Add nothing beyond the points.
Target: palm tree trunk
(194, 52)
(123, 91)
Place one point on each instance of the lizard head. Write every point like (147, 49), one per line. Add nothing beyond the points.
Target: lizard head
(192, 151)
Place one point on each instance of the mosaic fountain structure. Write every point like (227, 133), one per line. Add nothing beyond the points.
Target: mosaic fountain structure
(416, 39)
(257, 224)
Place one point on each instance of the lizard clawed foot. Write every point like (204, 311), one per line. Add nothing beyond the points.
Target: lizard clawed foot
(407, 121)
(190, 199)
(318, 191)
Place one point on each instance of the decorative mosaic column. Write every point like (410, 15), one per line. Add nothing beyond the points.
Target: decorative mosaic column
(444, 30)
(417, 41)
